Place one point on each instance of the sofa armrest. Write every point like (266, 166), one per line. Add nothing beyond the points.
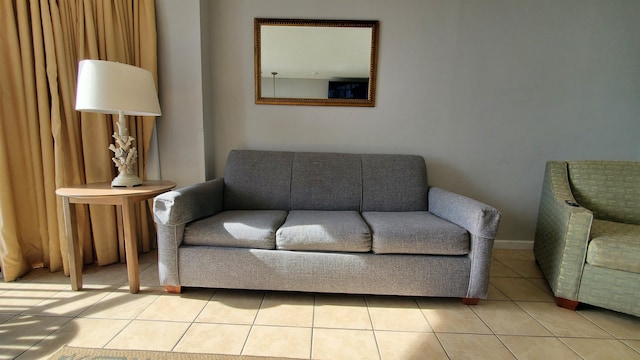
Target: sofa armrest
(478, 218)
(562, 232)
(172, 211)
(190, 203)
(481, 221)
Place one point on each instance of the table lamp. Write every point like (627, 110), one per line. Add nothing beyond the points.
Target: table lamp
(114, 88)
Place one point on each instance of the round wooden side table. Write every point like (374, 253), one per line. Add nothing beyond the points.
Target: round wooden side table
(103, 193)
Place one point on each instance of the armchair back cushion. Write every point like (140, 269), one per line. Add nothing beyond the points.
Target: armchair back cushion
(610, 189)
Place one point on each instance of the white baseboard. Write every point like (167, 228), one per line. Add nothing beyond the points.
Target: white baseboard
(513, 244)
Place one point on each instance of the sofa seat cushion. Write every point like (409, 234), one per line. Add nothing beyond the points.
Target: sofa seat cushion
(416, 232)
(614, 245)
(312, 230)
(237, 228)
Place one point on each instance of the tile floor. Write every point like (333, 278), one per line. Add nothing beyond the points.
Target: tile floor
(39, 314)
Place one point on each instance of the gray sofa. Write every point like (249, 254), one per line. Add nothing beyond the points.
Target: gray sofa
(325, 222)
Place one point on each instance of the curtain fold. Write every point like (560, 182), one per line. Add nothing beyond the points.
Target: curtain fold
(46, 144)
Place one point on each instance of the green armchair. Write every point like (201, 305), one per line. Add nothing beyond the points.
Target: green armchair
(587, 239)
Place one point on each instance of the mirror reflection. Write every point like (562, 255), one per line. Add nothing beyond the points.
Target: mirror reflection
(315, 62)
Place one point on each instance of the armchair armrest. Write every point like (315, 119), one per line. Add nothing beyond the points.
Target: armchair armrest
(478, 218)
(562, 232)
(189, 203)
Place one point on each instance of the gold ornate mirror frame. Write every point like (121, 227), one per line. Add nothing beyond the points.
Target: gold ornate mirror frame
(344, 81)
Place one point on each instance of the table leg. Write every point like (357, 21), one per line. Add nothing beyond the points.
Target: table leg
(73, 247)
(121, 249)
(131, 244)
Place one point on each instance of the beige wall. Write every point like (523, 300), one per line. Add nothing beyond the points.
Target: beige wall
(485, 90)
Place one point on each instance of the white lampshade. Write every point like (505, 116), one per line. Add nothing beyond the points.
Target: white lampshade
(114, 88)
(110, 88)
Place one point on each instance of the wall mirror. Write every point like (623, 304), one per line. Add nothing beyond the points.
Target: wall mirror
(315, 62)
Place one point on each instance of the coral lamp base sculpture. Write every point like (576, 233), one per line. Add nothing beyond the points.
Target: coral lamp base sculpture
(125, 156)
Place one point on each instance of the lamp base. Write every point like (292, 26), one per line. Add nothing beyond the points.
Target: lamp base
(126, 180)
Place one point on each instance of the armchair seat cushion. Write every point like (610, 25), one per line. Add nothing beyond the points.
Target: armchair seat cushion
(236, 228)
(315, 230)
(614, 245)
(416, 232)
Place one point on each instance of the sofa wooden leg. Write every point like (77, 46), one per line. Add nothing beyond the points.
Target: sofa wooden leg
(566, 303)
(173, 289)
(470, 301)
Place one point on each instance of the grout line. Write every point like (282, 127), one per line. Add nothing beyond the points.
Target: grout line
(130, 321)
(373, 329)
(253, 323)
(313, 325)
(191, 323)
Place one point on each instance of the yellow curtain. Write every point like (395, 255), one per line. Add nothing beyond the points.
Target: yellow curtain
(45, 144)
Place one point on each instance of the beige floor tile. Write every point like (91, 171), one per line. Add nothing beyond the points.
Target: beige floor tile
(286, 309)
(214, 338)
(506, 318)
(634, 344)
(27, 296)
(293, 342)
(149, 277)
(85, 332)
(40, 351)
(498, 269)
(22, 332)
(409, 346)
(562, 322)
(4, 286)
(396, 314)
(44, 286)
(5, 317)
(450, 315)
(495, 294)
(524, 268)
(530, 348)
(520, 289)
(108, 319)
(528, 254)
(542, 284)
(622, 326)
(149, 335)
(110, 275)
(475, 347)
(41, 276)
(594, 349)
(336, 344)
(177, 307)
(35, 353)
(509, 254)
(150, 257)
(67, 303)
(81, 332)
(232, 307)
(120, 305)
(341, 312)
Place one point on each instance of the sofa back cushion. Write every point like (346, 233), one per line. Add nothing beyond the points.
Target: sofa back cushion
(277, 180)
(326, 181)
(257, 180)
(394, 183)
(610, 189)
